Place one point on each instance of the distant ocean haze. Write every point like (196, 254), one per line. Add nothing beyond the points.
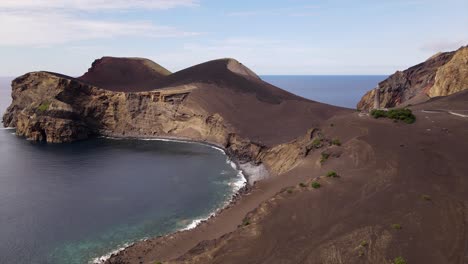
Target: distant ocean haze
(339, 90)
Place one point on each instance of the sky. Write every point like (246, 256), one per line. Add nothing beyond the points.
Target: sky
(272, 37)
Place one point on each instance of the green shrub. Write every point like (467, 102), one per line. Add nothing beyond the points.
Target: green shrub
(399, 260)
(364, 244)
(378, 113)
(324, 157)
(336, 142)
(43, 107)
(403, 114)
(316, 185)
(290, 190)
(396, 226)
(302, 184)
(246, 222)
(332, 174)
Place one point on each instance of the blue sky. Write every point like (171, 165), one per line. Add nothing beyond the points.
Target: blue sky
(271, 37)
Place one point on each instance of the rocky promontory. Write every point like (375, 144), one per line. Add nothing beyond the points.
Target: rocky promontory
(441, 75)
(220, 102)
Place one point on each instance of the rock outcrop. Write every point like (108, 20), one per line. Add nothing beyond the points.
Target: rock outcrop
(441, 75)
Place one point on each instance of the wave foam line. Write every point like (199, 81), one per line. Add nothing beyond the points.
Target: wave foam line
(167, 140)
(107, 256)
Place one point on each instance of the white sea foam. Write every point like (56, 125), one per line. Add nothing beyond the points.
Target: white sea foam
(167, 140)
(107, 256)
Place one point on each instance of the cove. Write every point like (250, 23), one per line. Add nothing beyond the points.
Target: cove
(72, 203)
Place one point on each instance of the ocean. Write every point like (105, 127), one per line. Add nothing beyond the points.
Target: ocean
(340, 90)
(72, 203)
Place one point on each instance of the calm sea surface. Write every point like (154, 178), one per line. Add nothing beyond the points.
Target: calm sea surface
(71, 203)
(337, 90)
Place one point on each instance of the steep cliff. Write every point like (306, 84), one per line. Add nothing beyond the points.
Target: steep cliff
(442, 74)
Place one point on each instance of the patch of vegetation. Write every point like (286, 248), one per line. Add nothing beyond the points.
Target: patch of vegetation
(396, 226)
(43, 107)
(361, 253)
(302, 184)
(399, 260)
(246, 222)
(290, 190)
(332, 174)
(324, 157)
(336, 142)
(376, 113)
(403, 114)
(364, 244)
(317, 143)
(426, 197)
(316, 185)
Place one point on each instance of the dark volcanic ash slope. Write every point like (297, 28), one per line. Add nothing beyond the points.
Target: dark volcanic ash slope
(125, 74)
(442, 74)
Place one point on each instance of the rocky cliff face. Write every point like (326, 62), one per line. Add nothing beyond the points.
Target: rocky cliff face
(442, 74)
(54, 108)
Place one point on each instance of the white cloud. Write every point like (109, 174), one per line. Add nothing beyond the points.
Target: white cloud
(95, 4)
(50, 22)
(42, 29)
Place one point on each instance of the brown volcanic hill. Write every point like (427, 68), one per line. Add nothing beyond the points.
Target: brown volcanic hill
(256, 109)
(229, 73)
(442, 74)
(124, 74)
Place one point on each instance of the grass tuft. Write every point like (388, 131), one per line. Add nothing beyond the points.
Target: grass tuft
(43, 107)
(336, 142)
(399, 260)
(324, 157)
(317, 143)
(316, 185)
(332, 174)
(396, 226)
